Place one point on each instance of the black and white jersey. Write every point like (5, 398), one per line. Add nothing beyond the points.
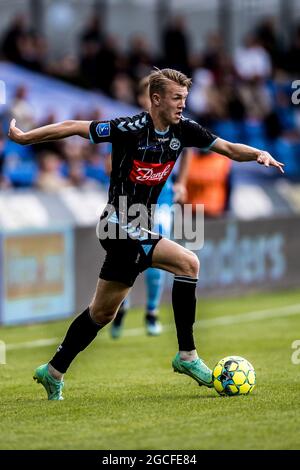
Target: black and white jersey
(142, 157)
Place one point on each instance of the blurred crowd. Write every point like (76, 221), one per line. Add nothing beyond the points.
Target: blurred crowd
(51, 166)
(243, 96)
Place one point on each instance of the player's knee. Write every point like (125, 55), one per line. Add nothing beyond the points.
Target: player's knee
(191, 265)
(103, 316)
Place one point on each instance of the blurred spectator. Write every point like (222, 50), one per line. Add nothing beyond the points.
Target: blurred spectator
(251, 60)
(13, 37)
(267, 35)
(32, 48)
(1, 161)
(66, 68)
(21, 110)
(77, 176)
(122, 88)
(49, 176)
(91, 41)
(24, 46)
(256, 98)
(4, 183)
(140, 59)
(236, 110)
(293, 54)
(109, 63)
(88, 64)
(175, 45)
(71, 148)
(213, 55)
(208, 182)
(286, 114)
(92, 32)
(200, 94)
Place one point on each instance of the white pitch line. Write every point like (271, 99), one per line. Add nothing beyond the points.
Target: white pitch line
(32, 344)
(232, 319)
(211, 322)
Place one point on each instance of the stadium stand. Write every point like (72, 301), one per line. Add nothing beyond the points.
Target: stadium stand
(244, 96)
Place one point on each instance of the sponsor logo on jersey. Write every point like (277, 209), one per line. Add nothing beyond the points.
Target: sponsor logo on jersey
(103, 129)
(153, 148)
(150, 174)
(175, 144)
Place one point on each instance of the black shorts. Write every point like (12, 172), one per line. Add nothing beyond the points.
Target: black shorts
(127, 255)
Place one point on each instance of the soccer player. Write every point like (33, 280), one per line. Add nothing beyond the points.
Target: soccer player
(144, 150)
(154, 277)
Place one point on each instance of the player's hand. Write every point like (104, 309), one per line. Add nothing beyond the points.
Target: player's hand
(180, 192)
(266, 159)
(16, 134)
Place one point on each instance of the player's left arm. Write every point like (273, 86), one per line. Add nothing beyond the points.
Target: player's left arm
(245, 153)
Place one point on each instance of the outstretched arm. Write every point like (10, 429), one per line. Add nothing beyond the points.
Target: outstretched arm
(245, 153)
(56, 131)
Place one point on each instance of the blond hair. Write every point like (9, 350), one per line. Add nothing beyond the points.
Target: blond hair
(159, 79)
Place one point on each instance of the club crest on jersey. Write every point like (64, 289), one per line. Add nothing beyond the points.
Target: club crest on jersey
(103, 129)
(175, 144)
(150, 174)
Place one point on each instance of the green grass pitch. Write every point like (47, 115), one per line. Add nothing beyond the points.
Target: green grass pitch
(123, 394)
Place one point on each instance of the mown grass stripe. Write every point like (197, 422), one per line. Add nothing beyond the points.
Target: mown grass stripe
(255, 315)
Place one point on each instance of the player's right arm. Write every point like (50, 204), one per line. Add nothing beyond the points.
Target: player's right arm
(56, 131)
(198, 136)
(245, 153)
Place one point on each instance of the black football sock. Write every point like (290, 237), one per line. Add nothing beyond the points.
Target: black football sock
(184, 306)
(118, 320)
(151, 317)
(79, 335)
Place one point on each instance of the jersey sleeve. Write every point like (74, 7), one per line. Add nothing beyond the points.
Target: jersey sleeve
(197, 136)
(120, 129)
(103, 131)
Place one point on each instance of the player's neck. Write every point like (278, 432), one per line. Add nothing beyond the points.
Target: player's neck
(159, 124)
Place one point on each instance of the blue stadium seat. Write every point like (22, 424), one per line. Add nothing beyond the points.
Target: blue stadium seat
(287, 117)
(229, 130)
(20, 167)
(24, 151)
(259, 142)
(288, 153)
(253, 129)
(97, 172)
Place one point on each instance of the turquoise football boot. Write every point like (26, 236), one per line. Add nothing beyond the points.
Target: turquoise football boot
(153, 329)
(116, 330)
(52, 386)
(153, 326)
(195, 369)
(117, 325)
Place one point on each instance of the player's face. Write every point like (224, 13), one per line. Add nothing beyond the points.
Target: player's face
(172, 103)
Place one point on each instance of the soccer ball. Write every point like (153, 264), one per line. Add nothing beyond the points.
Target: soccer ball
(234, 375)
